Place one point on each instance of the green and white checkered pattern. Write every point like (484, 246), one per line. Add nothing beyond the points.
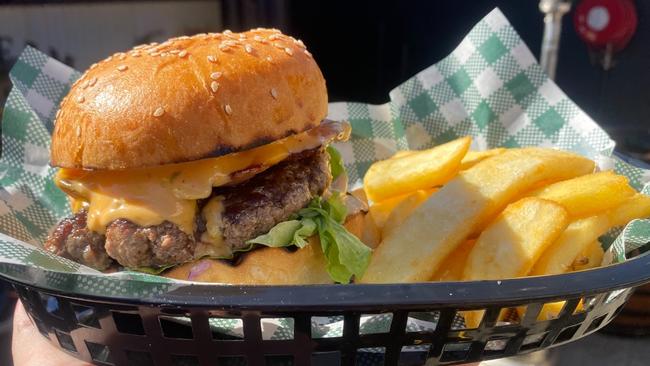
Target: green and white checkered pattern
(490, 87)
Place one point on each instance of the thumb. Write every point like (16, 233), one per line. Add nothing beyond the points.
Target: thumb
(29, 347)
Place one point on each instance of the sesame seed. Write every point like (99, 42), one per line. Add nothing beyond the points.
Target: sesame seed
(242, 36)
(81, 99)
(248, 48)
(274, 93)
(273, 37)
(214, 86)
(182, 54)
(215, 75)
(277, 45)
(159, 112)
(135, 54)
(93, 81)
(223, 47)
(184, 37)
(257, 38)
(108, 58)
(307, 53)
(212, 58)
(93, 66)
(163, 54)
(78, 131)
(299, 43)
(141, 46)
(227, 109)
(269, 58)
(173, 52)
(289, 51)
(154, 54)
(153, 44)
(85, 84)
(58, 113)
(227, 31)
(122, 68)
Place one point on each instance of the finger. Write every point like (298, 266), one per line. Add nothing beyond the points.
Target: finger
(29, 347)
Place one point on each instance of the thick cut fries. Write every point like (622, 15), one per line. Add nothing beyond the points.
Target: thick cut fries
(590, 257)
(516, 239)
(452, 267)
(474, 157)
(413, 251)
(419, 170)
(590, 194)
(559, 257)
(371, 235)
(469, 160)
(404, 210)
(381, 210)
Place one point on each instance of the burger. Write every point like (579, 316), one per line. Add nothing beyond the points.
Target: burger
(183, 156)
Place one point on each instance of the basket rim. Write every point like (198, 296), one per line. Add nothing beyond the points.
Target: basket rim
(468, 294)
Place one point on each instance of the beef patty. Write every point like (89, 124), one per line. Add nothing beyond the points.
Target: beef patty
(249, 209)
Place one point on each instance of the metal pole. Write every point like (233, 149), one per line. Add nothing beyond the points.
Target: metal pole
(554, 10)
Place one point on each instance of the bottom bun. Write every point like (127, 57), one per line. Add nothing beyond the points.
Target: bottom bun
(263, 266)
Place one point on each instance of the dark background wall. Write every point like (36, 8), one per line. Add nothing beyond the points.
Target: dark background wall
(365, 48)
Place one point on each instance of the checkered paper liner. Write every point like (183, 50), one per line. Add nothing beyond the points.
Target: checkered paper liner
(490, 87)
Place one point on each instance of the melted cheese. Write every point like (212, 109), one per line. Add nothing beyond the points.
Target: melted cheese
(212, 238)
(149, 196)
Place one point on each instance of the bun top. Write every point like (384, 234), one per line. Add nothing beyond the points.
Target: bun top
(189, 98)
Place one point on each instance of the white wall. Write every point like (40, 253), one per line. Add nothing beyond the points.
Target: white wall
(90, 32)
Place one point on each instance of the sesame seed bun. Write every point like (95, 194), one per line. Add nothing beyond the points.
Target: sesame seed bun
(188, 98)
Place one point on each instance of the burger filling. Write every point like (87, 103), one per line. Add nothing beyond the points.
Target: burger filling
(252, 202)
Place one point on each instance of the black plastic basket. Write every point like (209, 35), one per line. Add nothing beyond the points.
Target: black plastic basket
(142, 331)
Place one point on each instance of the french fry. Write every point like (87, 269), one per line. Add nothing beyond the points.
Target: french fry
(590, 257)
(472, 318)
(370, 236)
(413, 251)
(419, 170)
(636, 207)
(559, 257)
(381, 210)
(355, 223)
(452, 267)
(590, 194)
(404, 209)
(511, 244)
(469, 160)
(402, 153)
(474, 157)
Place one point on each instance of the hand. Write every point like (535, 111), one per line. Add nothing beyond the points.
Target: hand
(28, 346)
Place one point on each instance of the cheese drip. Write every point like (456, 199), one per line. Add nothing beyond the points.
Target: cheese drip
(150, 196)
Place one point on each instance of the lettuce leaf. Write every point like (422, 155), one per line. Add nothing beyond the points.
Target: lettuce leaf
(152, 270)
(336, 162)
(346, 255)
